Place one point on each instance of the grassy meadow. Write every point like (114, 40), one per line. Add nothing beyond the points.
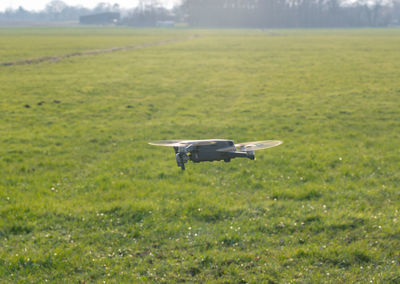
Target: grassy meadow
(84, 198)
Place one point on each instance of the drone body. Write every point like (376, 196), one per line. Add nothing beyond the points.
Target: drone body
(213, 149)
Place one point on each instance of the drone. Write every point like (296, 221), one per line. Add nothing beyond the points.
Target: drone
(213, 149)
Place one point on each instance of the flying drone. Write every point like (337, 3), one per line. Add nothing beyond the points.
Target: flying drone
(213, 149)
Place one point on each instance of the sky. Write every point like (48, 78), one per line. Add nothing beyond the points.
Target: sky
(37, 5)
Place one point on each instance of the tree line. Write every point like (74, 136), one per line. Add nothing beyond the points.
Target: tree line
(290, 13)
(231, 13)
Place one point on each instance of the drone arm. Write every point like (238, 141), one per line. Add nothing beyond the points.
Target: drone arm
(238, 154)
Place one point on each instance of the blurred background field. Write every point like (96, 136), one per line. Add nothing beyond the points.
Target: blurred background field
(83, 197)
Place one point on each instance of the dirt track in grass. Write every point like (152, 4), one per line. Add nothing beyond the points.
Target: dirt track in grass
(93, 52)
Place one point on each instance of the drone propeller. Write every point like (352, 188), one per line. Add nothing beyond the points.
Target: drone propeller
(257, 145)
(168, 143)
(181, 143)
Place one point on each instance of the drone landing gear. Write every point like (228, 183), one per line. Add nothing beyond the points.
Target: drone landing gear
(181, 159)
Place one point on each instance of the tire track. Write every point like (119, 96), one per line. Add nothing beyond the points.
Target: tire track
(94, 52)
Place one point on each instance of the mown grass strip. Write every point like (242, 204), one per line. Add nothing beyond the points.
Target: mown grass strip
(94, 52)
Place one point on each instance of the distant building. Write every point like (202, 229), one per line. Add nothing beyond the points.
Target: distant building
(109, 18)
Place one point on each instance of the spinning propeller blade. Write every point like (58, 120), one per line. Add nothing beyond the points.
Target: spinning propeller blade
(181, 143)
(168, 143)
(258, 145)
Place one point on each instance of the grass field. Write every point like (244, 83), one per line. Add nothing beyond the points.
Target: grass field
(84, 198)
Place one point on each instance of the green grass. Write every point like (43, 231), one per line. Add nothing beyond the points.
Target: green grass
(27, 43)
(83, 197)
